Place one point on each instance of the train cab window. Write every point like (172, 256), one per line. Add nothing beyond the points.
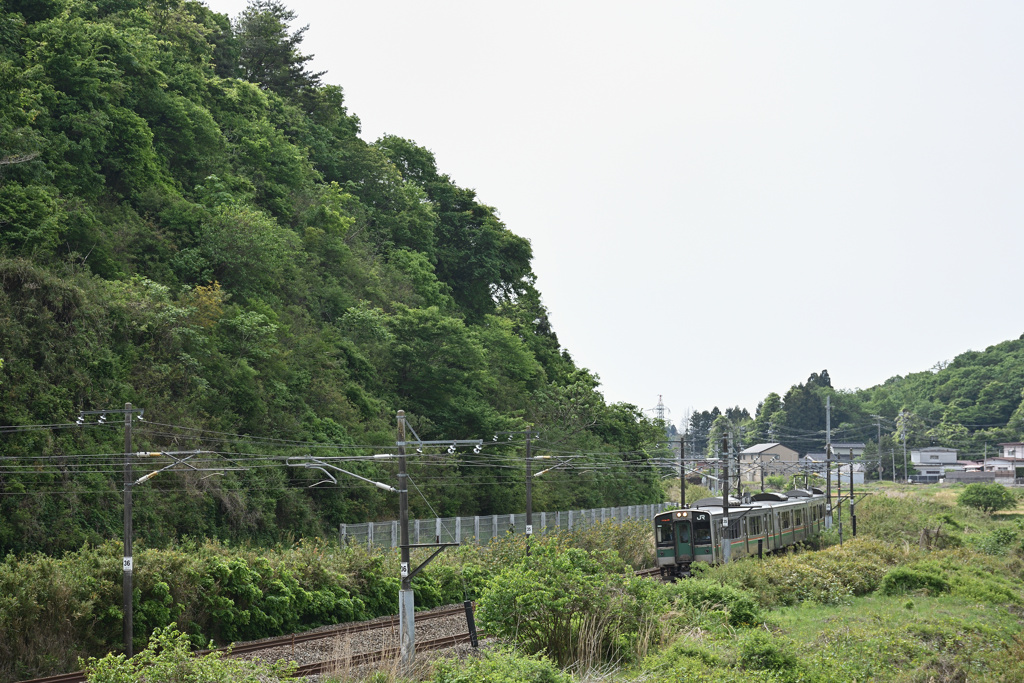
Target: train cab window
(663, 532)
(684, 533)
(702, 535)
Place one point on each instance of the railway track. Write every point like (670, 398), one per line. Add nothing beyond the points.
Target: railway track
(354, 660)
(295, 639)
(391, 653)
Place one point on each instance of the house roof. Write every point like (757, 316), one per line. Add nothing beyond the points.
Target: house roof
(759, 448)
(850, 444)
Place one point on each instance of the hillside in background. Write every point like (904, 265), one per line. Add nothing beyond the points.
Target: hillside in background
(971, 403)
(189, 222)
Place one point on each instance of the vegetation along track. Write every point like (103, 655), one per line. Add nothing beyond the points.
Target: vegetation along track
(346, 629)
(295, 639)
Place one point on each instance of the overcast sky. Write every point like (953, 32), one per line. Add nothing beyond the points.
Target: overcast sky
(722, 197)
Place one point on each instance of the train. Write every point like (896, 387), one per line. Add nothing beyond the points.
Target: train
(760, 523)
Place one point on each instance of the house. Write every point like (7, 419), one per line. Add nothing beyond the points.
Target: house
(931, 463)
(933, 456)
(1003, 467)
(847, 451)
(813, 463)
(841, 474)
(772, 458)
(1013, 450)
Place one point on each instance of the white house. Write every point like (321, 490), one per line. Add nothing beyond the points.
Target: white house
(931, 463)
(1013, 450)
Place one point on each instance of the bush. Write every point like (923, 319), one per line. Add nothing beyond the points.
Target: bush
(828, 577)
(988, 498)
(576, 606)
(763, 652)
(905, 580)
(168, 659)
(500, 666)
(707, 595)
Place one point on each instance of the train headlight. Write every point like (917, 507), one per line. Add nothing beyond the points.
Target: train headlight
(679, 514)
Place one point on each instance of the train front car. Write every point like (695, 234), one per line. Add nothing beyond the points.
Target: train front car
(673, 542)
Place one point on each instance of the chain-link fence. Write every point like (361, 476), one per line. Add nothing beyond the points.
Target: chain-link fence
(482, 529)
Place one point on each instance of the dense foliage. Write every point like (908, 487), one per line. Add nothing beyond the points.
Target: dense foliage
(572, 604)
(189, 222)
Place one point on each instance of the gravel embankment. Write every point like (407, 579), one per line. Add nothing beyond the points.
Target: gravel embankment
(341, 647)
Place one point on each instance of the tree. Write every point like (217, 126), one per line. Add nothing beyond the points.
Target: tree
(269, 54)
(987, 497)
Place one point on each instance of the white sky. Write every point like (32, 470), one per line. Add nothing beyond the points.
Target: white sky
(722, 197)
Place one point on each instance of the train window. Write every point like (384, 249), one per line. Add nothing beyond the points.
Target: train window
(785, 519)
(702, 535)
(799, 516)
(663, 532)
(684, 533)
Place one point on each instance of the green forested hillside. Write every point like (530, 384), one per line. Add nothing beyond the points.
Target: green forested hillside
(971, 403)
(189, 222)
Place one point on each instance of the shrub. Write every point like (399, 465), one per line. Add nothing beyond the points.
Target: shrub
(707, 595)
(763, 652)
(500, 666)
(905, 580)
(988, 498)
(168, 659)
(574, 605)
(1001, 541)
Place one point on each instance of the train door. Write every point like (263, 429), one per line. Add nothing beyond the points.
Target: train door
(664, 540)
(703, 547)
(684, 542)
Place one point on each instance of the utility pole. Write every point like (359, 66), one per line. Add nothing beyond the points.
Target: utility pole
(406, 601)
(682, 474)
(529, 491)
(127, 563)
(903, 428)
(126, 580)
(878, 423)
(828, 462)
(406, 606)
(726, 541)
(853, 516)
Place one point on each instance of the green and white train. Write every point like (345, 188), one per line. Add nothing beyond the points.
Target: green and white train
(762, 523)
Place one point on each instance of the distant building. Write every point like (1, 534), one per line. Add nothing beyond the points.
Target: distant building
(774, 458)
(847, 451)
(931, 463)
(841, 474)
(1013, 450)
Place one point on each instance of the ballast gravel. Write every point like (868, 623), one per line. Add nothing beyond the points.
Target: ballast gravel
(340, 647)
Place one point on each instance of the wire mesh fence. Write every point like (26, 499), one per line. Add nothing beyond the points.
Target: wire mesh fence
(481, 529)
